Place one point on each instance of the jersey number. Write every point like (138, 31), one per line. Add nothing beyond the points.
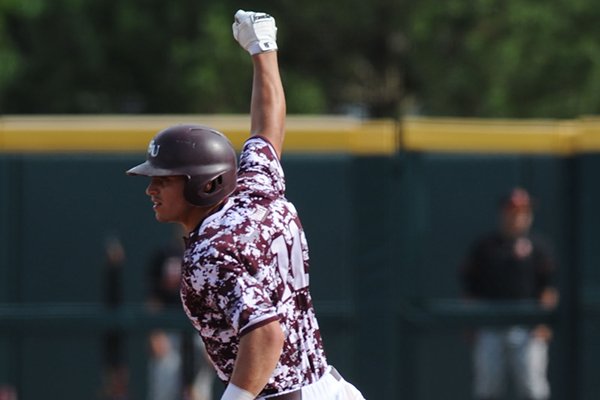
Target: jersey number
(294, 256)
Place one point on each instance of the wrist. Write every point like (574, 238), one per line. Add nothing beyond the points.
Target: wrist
(233, 392)
(262, 47)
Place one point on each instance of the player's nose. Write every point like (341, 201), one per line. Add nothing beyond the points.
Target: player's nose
(152, 188)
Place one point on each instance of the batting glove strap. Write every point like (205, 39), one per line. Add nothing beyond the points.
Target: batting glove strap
(255, 31)
(233, 392)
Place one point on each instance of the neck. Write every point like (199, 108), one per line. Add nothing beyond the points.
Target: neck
(199, 214)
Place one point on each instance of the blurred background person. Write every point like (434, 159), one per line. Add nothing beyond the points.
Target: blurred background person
(178, 367)
(116, 376)
(511, 264)
(7, 392)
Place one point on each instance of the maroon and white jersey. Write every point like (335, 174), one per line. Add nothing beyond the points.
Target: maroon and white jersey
(247, 265)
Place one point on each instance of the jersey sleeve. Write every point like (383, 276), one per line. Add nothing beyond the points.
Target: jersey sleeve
(260, 172)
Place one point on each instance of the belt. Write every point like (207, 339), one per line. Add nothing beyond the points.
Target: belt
(297, 394)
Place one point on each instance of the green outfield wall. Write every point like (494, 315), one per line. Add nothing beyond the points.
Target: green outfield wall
(389, 209)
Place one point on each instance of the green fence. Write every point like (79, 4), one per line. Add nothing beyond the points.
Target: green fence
(387, 232)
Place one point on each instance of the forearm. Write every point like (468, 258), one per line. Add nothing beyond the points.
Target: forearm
(268, 105)
(257, 357)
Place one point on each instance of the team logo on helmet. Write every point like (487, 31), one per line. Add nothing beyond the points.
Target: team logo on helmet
(153, 149)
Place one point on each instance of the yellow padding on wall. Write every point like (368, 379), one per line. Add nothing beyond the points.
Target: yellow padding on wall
(312, 134)
(483, 135)
(132, 133)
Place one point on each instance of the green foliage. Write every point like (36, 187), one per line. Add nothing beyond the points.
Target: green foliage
(487, 58)
(10, 59)
(512, 58)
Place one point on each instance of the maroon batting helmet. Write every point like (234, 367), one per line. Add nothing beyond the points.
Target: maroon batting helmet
(203, 155)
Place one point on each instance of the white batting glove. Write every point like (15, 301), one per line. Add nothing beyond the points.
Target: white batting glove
(255, 31)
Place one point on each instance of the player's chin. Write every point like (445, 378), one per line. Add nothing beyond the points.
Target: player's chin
(161, 217)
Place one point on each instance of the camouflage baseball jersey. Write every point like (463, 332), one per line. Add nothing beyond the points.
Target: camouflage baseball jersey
(247, 265)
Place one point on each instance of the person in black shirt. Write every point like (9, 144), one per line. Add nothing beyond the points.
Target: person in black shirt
(511, 264)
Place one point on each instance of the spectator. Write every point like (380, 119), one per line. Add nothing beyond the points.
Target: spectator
(116, 376)
(7, 392)
(511, 264)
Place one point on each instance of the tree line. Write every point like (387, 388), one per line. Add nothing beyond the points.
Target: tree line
(381, 58)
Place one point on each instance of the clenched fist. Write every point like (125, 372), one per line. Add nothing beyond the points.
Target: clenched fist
(255, 31)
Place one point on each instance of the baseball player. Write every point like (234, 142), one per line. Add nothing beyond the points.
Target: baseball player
(245, 282)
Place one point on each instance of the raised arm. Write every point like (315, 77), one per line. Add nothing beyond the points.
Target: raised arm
(256, 32)
(268, 105)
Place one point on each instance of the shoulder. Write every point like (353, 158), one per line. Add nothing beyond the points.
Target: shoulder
(487, 240)
(226, 233)
(258, 146)
(538, 239)
(214, 241)
(260, 172)
(541, 244)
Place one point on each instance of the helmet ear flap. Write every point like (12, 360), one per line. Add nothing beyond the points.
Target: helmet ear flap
(213, 185)
(200, 192)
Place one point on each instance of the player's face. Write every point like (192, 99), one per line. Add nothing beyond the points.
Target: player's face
(166, 194)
